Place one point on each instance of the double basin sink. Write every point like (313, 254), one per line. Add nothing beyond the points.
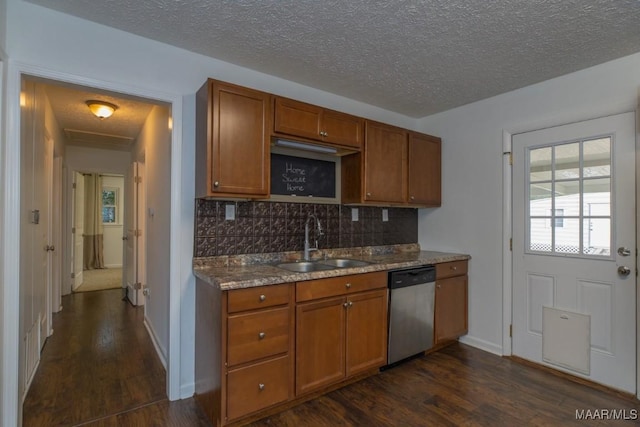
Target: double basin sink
(321, 265)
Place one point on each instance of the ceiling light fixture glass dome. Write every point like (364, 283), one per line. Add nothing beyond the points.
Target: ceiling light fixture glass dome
(101, 109)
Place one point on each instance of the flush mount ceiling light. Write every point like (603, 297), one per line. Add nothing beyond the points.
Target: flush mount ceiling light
(101, 109)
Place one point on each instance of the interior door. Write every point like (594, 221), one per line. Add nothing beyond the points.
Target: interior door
(574, 249)
(133, 240)
(78, 229)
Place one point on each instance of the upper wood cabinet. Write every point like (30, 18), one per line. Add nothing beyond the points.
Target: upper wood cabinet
(396, 167)
(424, 157)
(315, 123)
(233, 127)
(379, 173)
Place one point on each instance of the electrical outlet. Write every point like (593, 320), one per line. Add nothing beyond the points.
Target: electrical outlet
(385, 215)
(230, 212)
(354, 214)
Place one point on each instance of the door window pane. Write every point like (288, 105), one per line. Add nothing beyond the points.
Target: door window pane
(567, 161)
(568, 197)
(568, 236)
(540, 199)
(570, 193)
(597, 236)
(540, 164)
(540, 234)
(597, 157)
(597, 197)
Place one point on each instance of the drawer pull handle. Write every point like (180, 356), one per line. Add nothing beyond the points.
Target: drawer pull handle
(260, 386)
(261, 335)
(454, 268)
(263, 297)
(347, 285)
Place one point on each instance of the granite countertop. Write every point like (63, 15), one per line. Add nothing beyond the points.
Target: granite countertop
(247, 275)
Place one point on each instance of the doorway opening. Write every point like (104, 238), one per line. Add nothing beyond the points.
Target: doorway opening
(64, 146)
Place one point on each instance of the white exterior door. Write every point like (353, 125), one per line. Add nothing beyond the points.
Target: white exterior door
(78, 229)
(574, 249)
(134, 241)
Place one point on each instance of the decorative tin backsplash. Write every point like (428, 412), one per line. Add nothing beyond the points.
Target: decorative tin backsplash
(261, 227)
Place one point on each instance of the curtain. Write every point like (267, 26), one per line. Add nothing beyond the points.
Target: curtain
(93, 234)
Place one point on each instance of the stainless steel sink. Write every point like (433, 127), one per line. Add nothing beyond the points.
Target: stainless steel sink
(304, 266)
(327, 264)
(344, 262)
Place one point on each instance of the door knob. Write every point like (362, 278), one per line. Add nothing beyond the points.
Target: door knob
(622, 251)
(624, 271)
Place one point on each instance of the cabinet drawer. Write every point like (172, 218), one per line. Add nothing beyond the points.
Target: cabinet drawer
(450, 269)
(257, 334)
(258, 297)
(257, 386)
(343, 285)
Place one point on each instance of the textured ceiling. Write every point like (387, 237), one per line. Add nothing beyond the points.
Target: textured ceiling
(81, 127)
(411, 57)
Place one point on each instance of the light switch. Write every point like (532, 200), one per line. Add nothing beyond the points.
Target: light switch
(385, 215)
(354, 214)
(230, 212)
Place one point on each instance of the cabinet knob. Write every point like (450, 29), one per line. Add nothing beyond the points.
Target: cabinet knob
(438, 286)
(260, 386)
(454, 268)
(368, 194)
(261, 335)
(216, 184)
(412, 198)
(345, 305)
(347, 285)
(349, 304)
(263, 297)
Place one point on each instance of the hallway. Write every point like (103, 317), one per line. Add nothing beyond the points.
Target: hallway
(100, 368)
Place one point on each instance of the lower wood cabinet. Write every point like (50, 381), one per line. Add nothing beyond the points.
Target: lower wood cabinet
(340, 336)
(244, 350)
(257, 386)
(262, 347)
(451, 301)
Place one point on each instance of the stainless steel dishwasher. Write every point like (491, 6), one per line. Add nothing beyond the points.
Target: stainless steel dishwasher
(411, 315)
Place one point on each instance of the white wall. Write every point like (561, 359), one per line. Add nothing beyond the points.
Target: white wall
(155, 141)
(471, 219)
(113, 232)
(3, 24)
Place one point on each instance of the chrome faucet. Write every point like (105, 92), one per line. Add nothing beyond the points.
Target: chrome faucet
(307, 249)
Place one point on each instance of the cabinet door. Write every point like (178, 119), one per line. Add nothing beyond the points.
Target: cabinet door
(297, 118)
(451, 308)
(385, 163)
(239, 157)
(424, 170)
(366, 331)
(342, 129)
(320, 338)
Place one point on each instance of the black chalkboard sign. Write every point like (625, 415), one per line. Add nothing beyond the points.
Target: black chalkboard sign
(301, 176)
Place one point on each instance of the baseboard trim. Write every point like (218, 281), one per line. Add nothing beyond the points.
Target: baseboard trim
(187, 390)
(113, 266)
(156, 344)
(481, 344)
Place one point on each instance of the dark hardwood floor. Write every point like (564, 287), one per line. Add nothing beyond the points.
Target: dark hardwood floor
(100, 369)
